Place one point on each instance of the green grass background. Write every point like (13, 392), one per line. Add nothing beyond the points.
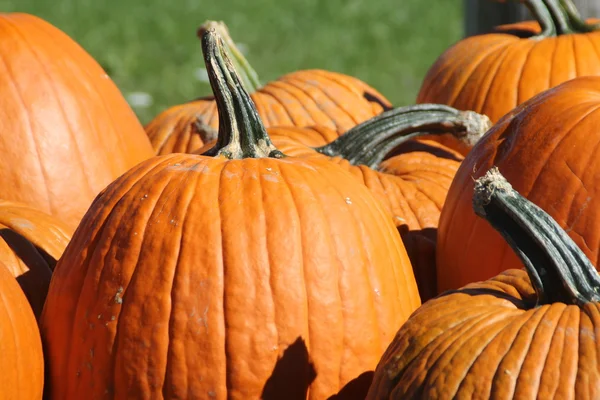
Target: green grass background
(151, 46)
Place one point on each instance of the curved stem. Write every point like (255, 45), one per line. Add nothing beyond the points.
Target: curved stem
(557, 17)
(372, 141)
(241, 131)
(558, 269)
(247, 74)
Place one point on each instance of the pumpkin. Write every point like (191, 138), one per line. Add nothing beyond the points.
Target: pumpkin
(301, 98)
(524, 334)
(548, 149)
(235, 274)
(412, 184)
(22, 361)
(493, 73)
(67, 130)
(31, 242)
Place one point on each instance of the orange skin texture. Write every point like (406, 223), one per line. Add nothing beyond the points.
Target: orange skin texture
(199, 277)
(31, 242)
(548, 149)
(303, 98)
(411, 185)
(68, 131)
(493, 73)
(489, 341)
(22, 361)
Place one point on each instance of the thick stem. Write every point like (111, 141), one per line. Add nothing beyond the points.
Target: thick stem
(241, 131)
(372, 141)
(557, 17)
(558, 269)
(245, 71)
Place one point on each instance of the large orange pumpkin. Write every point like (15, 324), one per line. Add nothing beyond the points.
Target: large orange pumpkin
(31, 242)
(493, 73)
(413, 183)
(523, 334)
(21, 358)
(548, 148)
(244, 274)
(301, 98)
(67, 131)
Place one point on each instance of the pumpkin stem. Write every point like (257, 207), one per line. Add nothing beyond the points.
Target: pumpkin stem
(559, 271)
(245, 71)
(241, 131)
(372, 141)
(557, 17)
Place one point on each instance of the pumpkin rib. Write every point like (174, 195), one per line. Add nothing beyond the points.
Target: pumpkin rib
(310, 106)
(328, 88)
(173, 285)
(312, 91)
(492, 73)
(266, 92)
(30, 129)
(461, 86)
(310, 339)
(519, 75)
(58, 99)
(282, 90)
(11, 317)
(111, 117)
(54, 91)
(566, 133)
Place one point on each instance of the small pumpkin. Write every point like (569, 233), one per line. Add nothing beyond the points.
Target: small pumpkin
(412, 184)
(67, 131)
(548, 149)
(238, 274)
(493, 73)
(526, 334)
(21, 360)
(301, 98)
(31, 242)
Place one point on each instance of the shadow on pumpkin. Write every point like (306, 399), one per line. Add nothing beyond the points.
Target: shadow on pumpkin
(292, 375)
(416, 146)
(36, 281)
(420, 247)
(356, 389)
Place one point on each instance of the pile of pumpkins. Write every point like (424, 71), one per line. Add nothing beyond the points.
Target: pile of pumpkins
(304, 238)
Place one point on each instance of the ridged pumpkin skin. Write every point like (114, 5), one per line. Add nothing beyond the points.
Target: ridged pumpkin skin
(303, 98)
(206, 271)
(524, 334)
(67, 130)
(21, 360)
(548, 149)
(31, 242)
(493, 73)
(239, 275)
(488, 340)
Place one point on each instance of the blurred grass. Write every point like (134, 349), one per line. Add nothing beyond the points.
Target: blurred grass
(150, 46)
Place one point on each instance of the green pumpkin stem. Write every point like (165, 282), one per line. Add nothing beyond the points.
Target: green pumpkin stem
(559, 271)
(245, 71)
(372, 141)
(557, 17)
(241, 131)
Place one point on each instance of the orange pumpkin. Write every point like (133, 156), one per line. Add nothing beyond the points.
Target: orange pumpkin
(301, 98)
(31, 242)
(523, 334)
(21, 358)
(548, 149)
(234, 276)
(67, 130)
(413, 184)
(493, 73)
